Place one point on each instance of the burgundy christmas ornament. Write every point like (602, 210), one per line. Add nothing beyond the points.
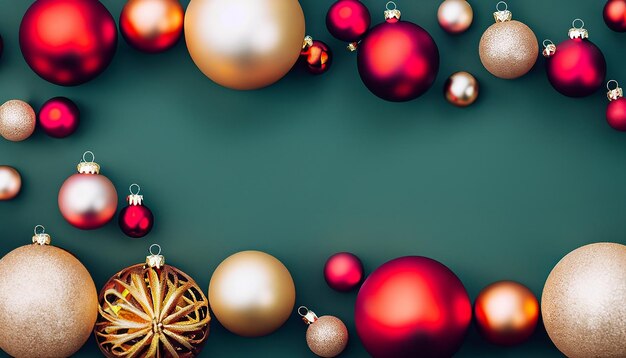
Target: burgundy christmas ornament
(616, 110)
(398, 60)
(615, 15)
(575, 67)
(348, 20)
(316, 56)
(59, 117)
(343, 271)
(136, 220)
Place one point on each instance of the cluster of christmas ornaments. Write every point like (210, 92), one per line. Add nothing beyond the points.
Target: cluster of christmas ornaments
(58, 117)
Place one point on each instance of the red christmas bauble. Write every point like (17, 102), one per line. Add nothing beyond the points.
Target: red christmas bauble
(152, 25)
(615, 15)
(348, 20)
(136, 220)
(68, 42)
(317, 57)
(398, 61)
(577, 68)
(412, 306)
(343, 271)
(59, 117)
(616, 114)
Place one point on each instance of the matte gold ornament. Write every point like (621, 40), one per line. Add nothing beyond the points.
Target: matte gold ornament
(508, 49)
(326, 336)
(17, 120)
(244, 44)
(252, 293)
(455, 16)
(461, 89)
(10, 182)
(152, 310)
(584, 302)
(48, 301)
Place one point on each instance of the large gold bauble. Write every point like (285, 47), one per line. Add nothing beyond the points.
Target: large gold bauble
(508, 49)
(244, 44)
(584, 302)
(252, 293)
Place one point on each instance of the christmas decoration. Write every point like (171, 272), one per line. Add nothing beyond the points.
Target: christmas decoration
(152, 25)
(87, 199)
(316, 56)
(136, 220)
(506, 313)
(326, 336)
(412, 307)
(508, 49)
(398, 60)
(455, 16)
(68, 42)
(348, 20)
(10, 182)
(17, 120)
(254, 51)
(343, 271)
(616, 110)
(48, 300)
(576, 67)
(59, 117)
(152, 310)
(461, 89)
(615, 15)
(252, 293)
(583, 302)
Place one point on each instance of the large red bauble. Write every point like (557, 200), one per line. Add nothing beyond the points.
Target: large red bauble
(68, 42)
(152, 25)
(577, 68)
(59, 117)
(615, 15)
(398, 61)
(616, 114)
(343, 271)
(412, 306)
(348, 20)
(136, 220)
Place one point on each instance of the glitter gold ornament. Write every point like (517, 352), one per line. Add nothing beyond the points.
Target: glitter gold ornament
(508, 49)
(583, 302)
(461, 89)
(10, 182)
(152, 310)
(48, 301)
(17, 120)
(326, 336)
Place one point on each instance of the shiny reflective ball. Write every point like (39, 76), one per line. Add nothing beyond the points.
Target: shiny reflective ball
(88, 201)
(316, 58)
(17, 120)
(616, 114)
(348, 20)
(461, 89)
(343, 271)
(455, 16)
(136, 220)
(10, 182)
(152, 25)
(59, 117)
(615, 15)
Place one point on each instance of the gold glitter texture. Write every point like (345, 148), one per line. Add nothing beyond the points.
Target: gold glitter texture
(17, 120)
(508, 49)
(327, 336)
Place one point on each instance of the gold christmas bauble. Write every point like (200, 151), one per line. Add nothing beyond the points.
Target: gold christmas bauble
(244, 44)
(48, 301)
(455, 16)
(10, 182)
(252, 293)
(17, 120)
(461, 89)
(584, 302)
(327, 337)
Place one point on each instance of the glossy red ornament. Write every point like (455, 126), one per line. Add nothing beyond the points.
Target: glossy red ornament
(615, 15)
(576, 67)
(616, 110)
(348, 20)
(343, 271)
(152, 25)
(59, 117)
(136, 220)
(412, 306)
(398, 60)
(68, 42)
(316, 56)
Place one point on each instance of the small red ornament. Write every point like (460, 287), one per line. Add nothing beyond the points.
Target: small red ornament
(136, 220)
(576, 67)
(343, 271)
(152, 25)
(348, 20)
(316, 56)
(412, 306)
(616, 110)
(59, 117)
(68, 42)
(398, 60)
(615, 15)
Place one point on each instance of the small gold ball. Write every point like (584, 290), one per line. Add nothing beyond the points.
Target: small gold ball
(455, 16)
(327, 337)
(508, 49)
(10, 182)
(17, 120)
(461, 89)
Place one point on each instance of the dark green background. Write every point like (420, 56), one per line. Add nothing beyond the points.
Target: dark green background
(315, 165)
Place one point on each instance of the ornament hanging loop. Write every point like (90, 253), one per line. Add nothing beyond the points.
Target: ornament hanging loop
(392, 14)
(88, 167)
(134, 198)
(307, 315)
(614, 93)
(549, 48)
(502, 15)
(155, 260)
(578, 32)
(40, 237)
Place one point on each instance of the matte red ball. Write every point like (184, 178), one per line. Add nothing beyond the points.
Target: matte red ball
(398, 61)
(577, 68)
(412, 306)
(615, 15)
(348, 20)
(68, 42)
(343, 271)
(136, 220)
(616, 114)
(317, 58)
(59, 117)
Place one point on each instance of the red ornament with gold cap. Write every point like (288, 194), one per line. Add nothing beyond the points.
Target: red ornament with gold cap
(316, 56)
(348, 20)
(135, 220)
(326, 336)
(616, 110)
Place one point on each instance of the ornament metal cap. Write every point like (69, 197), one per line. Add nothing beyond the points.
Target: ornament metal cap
(155, 260)
(578, 32)
(392, 14)
(352, 46)
(40, 237)
(307, 315)
(308, 42)
(614, 93)
(504, 14)
(88, 167)
(134, 199)
(549, 48)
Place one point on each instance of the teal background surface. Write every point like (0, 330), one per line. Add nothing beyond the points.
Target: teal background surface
(315, 165)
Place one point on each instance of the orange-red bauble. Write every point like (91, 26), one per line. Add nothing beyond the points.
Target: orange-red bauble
(68, 42)
(152, 25)
(615, 15)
